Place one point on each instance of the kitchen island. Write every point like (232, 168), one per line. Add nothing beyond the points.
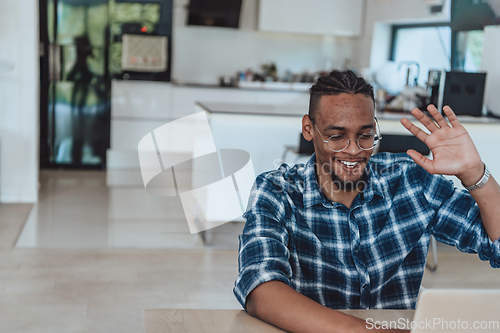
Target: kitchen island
(265, 130)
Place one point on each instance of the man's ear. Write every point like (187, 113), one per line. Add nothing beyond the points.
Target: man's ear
(307, 128)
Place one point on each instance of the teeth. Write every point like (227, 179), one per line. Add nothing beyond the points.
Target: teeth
(349, 164)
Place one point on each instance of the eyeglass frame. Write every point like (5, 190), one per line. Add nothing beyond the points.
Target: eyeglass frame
(376, 140)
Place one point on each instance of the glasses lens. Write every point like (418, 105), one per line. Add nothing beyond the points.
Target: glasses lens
(338, 144)
(367, 141)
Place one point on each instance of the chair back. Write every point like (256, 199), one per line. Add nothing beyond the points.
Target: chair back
(400, 143)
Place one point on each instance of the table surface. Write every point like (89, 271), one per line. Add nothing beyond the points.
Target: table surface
(236, 321)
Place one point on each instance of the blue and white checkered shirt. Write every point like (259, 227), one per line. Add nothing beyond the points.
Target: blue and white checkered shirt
(371, 255)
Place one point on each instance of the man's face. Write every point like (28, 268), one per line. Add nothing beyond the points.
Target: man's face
(347, 116)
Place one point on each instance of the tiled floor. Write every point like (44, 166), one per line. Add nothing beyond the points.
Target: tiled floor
(82, 265)
(77, 210)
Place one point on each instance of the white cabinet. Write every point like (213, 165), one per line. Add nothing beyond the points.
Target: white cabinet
(141, 100)
(137, 107)
(326, 17)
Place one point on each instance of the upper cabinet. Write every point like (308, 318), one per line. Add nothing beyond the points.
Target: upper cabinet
(325, 17)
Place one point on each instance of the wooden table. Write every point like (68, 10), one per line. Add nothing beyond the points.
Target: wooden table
(235, 321)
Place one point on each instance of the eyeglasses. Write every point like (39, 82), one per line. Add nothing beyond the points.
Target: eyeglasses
(365, 141)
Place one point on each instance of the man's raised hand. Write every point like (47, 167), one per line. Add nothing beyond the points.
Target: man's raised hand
(452, 148)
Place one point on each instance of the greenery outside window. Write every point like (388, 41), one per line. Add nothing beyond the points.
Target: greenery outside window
(469, 50)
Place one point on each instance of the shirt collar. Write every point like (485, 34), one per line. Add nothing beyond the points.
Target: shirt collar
(312, 194)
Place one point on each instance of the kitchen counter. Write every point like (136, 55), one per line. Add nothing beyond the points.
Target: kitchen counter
(137, 107)
(462, 119)
(297, 110)
(252, 86)
(273, 127)
(294, 110)
(236, 114)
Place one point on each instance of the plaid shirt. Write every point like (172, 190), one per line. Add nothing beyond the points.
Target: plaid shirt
(371, 255)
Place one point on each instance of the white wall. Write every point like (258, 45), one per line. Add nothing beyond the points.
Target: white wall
(490, 64)
(19, 105)
(372, 48)
(201, 54)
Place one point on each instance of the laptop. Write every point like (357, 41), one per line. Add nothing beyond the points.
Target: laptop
(457, 310)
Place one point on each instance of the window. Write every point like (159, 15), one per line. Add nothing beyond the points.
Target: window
(429, 46)
(469, 50)
(456, 45)
(437, 47)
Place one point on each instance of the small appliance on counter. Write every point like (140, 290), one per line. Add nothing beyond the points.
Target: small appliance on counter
(435, 84)
(464, 93)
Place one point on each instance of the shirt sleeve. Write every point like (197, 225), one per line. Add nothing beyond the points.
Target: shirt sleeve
(457, 219)
(263, 252)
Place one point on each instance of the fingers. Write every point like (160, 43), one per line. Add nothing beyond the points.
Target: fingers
(421, 160)
(426, 121)
(438, 117)
(451, 116)
(421, 135)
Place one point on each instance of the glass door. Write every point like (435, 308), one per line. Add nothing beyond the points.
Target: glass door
(75, 85)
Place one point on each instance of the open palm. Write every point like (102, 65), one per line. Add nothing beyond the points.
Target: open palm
(452, 148)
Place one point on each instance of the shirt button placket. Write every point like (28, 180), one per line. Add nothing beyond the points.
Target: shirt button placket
(364, 278)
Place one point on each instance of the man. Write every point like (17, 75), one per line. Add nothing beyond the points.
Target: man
(351, 230)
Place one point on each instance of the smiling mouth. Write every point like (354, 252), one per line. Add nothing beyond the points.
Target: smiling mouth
(350, 165)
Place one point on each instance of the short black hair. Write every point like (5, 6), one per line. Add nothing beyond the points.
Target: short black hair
(338, 82)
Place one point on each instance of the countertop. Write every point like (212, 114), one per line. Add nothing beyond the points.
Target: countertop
(296, 87)
(284, 87)
(254, 109)
(296, 110)
(463, 119)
